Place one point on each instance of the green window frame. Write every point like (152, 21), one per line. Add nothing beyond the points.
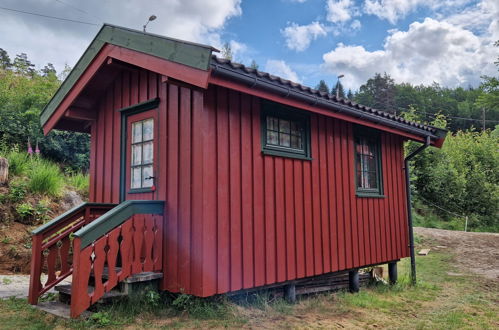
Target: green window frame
(285, 131)
(368, 169)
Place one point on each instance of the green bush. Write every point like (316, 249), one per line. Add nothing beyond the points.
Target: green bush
(45, 178)
(18, 162)
(18, 190)
(79, 181)
(461, 178)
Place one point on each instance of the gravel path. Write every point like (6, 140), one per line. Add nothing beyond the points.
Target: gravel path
(475, 252)
(18, 285)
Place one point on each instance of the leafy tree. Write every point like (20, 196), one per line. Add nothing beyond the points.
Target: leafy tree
(462, 177)
(378, 92)
(4, 59)
(23, 66)
(227, 52)
(322, 87)
(23, 94)
(48, 70)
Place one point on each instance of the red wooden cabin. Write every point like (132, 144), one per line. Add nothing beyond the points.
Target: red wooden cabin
(219, 176)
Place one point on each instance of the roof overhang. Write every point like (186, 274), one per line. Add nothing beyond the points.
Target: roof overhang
(184, 61)
(263, 85)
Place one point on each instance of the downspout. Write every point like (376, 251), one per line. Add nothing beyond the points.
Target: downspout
(409, 207)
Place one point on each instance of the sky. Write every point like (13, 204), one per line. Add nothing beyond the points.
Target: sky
(449, 42)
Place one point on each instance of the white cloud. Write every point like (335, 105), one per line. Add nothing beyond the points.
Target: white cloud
(340, 11)
(429, 51)
(299, 37)
(281, 69)
(355, 25)
(393, 10)
(60, 42)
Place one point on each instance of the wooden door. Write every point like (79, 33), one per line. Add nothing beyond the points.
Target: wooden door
(141, 163)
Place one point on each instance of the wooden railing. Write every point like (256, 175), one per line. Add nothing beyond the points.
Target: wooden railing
(52, 247)
(125, 241)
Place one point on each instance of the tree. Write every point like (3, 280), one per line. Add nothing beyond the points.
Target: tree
(254, 65)
(322, 87)
(23, 66)
(48, 70)
(227, 52)
(5, 62)
(350, 94)
(341, 90)
(378, 92)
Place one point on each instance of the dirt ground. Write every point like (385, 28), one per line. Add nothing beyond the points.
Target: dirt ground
(474, 252)
(15, 248)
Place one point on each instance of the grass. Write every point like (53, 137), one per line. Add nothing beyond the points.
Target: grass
(79, 181)
(45, 178)
(440, 300)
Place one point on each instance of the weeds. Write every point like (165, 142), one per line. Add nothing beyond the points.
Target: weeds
(80, 182)
(18, 162)
(46, 179)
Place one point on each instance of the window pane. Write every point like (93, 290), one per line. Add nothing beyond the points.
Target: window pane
(284, 140)
(148, 153)
(359, 179)
(136, 179)
(137, 132)
(272, 138)
(296, 142)
(272, 123)
(371, 164)
(137, 154)
(147, 181)
(148, 129)
(372, 182)
(283, 126)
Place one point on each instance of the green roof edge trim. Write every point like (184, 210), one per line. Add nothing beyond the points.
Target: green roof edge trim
(190, 54)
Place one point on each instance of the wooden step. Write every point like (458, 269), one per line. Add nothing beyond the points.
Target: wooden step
(140, 277)
(60, 309)
(65, 294)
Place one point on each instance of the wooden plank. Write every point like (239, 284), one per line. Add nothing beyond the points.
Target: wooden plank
(235, 191)
(115, 195)
(299, 221)
(280, 228)
(247, 192)
(197, 194)
(270, 221)
(324, 196)
(333, 217)
(354, 238)
(258, 196)
(308, 218)
(108, 147)
(185, 166)
(346, 197)
(339, 195)
(289, 220)
(172, 236)
(210, 234)
(316, 206)
(223, 248)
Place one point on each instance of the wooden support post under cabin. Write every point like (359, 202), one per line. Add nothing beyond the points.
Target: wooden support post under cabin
(392, 272)
(4, 171)
(353, 280)
(290, 293)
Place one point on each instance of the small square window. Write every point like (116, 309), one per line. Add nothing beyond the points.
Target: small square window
(285, 131)
(368, 164)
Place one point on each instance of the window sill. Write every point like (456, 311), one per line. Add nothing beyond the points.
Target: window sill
(369, 195)
(285, 154)
(140, 190)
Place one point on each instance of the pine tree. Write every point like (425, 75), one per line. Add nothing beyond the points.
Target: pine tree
(254, 65)
(350, 94)
(48, 70)
(227, 52)
(23, 66)
(5, 62)
(322, 87)
(341, 90)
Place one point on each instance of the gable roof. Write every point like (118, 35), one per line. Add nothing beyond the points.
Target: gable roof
(183, 52)
(255, 78)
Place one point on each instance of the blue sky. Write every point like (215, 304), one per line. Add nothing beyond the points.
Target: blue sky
(415, 41)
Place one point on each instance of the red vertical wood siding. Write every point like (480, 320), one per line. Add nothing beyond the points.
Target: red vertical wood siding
(236, 218)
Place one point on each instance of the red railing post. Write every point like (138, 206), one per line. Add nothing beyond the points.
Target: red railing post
(35, 284)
